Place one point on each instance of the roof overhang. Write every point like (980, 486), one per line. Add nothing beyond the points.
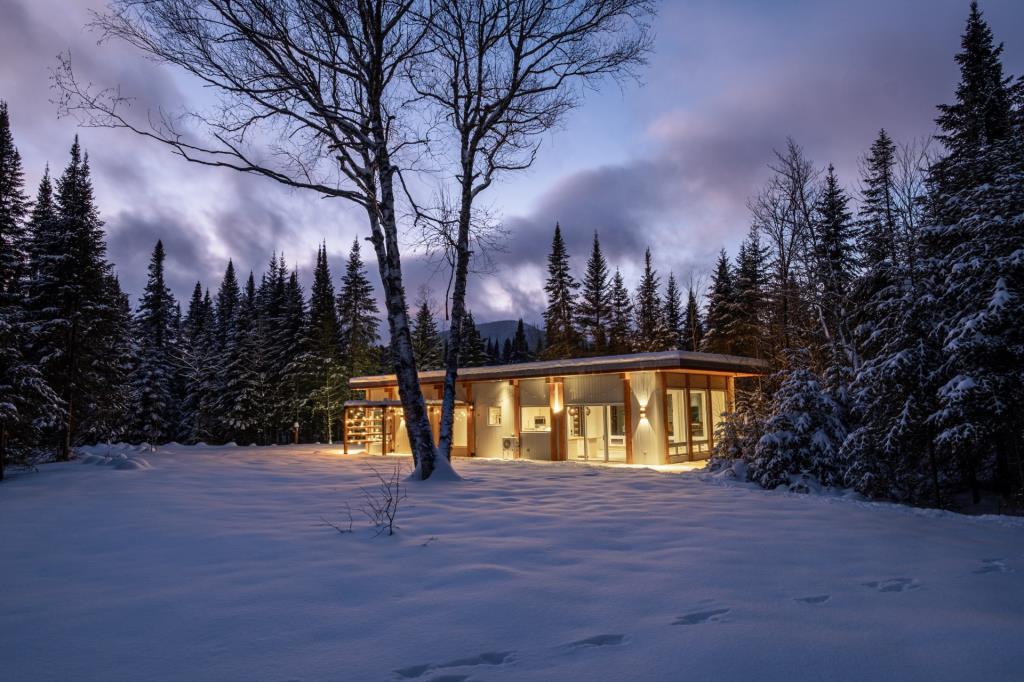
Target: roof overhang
(732, 365)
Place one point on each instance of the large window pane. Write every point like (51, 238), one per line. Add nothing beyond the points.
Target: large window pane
(536, 419)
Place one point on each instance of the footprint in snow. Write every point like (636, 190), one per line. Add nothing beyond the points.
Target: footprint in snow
(698, 617)
(817, 599)
(486, 658)
(993, 566)
(894, 585)
(597, 640)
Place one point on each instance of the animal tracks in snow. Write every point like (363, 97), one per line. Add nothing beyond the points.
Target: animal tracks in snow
(487, 658)
(993, 566)
(893, 585)
(597, 640)
(699, 617)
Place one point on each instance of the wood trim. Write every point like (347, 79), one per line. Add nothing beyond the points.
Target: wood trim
(689, 426)
(470, 421)
(558, 439)
(663, 387)
(517, 415)
(730, 394)
(344, 429)
(627, 400)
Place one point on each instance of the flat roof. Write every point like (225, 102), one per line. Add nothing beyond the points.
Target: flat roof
(605, 364)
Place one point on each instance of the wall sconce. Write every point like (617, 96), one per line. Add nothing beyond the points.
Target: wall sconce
(643, 413)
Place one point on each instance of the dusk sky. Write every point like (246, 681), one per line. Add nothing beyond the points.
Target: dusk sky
(668, 163)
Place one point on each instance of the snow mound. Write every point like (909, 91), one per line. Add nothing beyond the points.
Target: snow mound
(134, 464)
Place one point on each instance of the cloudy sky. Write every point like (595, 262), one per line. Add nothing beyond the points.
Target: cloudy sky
(668, 163)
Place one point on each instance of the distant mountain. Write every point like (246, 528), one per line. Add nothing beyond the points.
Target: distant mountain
(506, 329)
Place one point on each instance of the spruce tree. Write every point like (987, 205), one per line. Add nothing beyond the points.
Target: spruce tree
(834, 268)
(973, 255)
(291, 330)
(225, 312)
(620, 328)
(649, 315)
(27, 403)
(246, 389)
(14, 208)
(520, 351)
(877, 219)
(746, 320)
(74, 308)
(693, 323)
(427, 346)
(473, 351)
(673, 316)
(594, 310)
(561, 335)
(322, 361)
(719, 321)
(153, 379)
(357, 316)
(197, 361)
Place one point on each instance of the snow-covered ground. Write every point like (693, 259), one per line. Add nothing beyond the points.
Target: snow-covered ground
(214, 563)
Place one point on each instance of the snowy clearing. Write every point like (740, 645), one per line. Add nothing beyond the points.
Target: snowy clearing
(214, 563)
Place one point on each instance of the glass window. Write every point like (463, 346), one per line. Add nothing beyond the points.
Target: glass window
(494, 416)
(698, 419)
(575, 421)
(460, 430)
(617, 417)
(535, 419)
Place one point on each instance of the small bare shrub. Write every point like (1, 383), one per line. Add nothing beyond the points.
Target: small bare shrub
(380, 503)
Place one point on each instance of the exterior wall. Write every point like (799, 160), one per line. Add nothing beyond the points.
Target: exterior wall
(593, 389)
(647, 416)
(488, 394)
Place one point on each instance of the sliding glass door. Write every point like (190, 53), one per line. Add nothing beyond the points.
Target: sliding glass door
(596, 433)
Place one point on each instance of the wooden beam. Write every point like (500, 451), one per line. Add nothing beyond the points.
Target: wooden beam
(686, 415)
(517, 415)
(627, 400)
(663, 386)
(470, 421)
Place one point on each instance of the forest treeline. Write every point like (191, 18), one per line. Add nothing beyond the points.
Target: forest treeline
(894, 313)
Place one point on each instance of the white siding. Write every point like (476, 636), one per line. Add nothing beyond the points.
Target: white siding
(488, 394)
(648, 433)
(593, 389)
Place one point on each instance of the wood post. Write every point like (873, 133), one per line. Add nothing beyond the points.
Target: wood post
(662, 385)
(627, 402)
(517, 416)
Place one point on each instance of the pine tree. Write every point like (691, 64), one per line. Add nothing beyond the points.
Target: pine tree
(673, 316)
(562, 336)
(802, 435)
(225, 312)
(153, 380)
(649, 315)
(473, 352)
(427, 346)
(197, 362)
(746, 320)
(594, 309)
(246, 389)
(620, 329)
(27, 403)
(720, 317)
(877, 220)
(14, 207)
(290, 331)
(74, 307)
(322, 361)
(520, 350)
(357, 315)
(693, 323)
(834, 269)
(973, 255)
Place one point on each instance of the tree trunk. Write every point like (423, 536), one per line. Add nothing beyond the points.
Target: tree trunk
(444, 446)
(384, 237)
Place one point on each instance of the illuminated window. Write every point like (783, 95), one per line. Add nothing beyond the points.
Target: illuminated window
(535, 419)
(494, 416)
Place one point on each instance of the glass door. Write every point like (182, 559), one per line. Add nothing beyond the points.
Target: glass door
(596, 433)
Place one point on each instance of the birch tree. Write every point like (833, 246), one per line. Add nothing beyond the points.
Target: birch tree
(312, 94)
(500, 74)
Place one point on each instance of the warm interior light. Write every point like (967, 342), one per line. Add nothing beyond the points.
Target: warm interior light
(643, 412)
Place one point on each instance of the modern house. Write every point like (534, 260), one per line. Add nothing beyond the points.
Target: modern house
(644, 408)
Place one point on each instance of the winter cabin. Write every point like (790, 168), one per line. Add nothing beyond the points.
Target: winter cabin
(644, 408)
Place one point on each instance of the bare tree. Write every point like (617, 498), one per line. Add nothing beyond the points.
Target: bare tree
(499, 74)
(312, 94)
(784, 213)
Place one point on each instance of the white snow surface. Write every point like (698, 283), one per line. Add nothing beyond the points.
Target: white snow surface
(209, 563)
